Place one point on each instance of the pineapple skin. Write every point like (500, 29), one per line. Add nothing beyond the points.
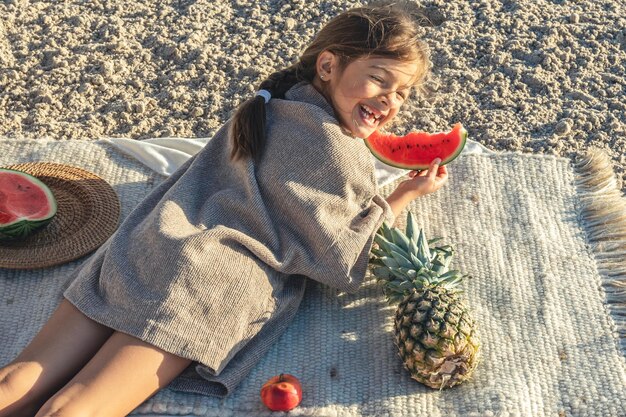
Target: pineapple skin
(436, 337)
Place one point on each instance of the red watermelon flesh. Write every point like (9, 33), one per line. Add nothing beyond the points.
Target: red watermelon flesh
(19, 198)
(417, 150)
(26, 204)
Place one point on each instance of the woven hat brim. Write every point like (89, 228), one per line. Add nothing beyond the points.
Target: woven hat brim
(88, 211)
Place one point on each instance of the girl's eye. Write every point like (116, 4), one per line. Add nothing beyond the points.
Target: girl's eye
(376, 78)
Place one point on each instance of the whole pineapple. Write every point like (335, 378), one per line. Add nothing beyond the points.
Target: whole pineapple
(434, 333)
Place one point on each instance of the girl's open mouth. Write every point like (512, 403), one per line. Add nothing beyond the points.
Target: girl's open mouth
(368, 117)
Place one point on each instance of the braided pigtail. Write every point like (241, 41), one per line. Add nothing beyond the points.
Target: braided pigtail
(248, 128)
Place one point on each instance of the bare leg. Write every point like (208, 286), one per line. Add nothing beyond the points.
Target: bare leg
(122, 375)
(62, 347)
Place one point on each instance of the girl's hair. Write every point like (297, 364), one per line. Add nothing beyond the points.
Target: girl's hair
(387, 30)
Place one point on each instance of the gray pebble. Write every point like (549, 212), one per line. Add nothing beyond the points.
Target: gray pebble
(97, 80)
(107, 69)
(139, 108)
(197, 112)
(290, 23)
(563, 128)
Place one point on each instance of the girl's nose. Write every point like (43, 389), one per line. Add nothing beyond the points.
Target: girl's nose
(390, 99)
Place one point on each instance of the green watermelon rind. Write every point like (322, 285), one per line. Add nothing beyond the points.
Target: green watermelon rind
(22, 228)
(417, 167)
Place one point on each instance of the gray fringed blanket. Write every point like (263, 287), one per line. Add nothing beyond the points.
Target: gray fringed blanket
(543, 240)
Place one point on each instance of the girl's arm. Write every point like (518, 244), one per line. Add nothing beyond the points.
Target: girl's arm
(421, 183)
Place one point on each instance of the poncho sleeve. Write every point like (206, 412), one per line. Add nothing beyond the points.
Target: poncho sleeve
(319, 186)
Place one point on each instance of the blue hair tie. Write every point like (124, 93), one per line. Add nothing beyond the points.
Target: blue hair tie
(265, 94)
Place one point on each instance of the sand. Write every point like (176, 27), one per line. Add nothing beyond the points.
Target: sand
(522, 75)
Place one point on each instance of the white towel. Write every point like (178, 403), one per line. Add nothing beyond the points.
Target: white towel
(165, 155)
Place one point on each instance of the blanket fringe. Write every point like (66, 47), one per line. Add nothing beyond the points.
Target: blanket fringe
(603, 215)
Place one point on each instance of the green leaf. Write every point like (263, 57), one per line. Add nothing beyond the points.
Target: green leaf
(432, 274)
(446, 248)
(400, 239)
(391, 286)
(395, 248)
(409, 272)
(390, 262)
(439, 269)
(386, 232)
(451, 281)
(399, 272)
(422, 247)
(416, 262)
(406, 286)
(451, 273)
(440, 262)
(443, 251)
(378, 252)
(412, 229)
(413, 248)
(440, 251)
(387, 245)
(382, 242)
(423, 271)
(382, 272)
(401, 259)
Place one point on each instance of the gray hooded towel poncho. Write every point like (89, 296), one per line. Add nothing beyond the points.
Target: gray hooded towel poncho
(211, 265)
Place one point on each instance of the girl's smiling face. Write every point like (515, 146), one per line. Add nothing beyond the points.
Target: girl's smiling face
(368, 93)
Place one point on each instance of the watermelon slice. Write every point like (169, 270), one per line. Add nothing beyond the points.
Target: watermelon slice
(417, 150)
(26, 204)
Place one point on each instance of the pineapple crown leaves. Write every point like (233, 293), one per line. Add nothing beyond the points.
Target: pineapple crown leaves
(407, 260)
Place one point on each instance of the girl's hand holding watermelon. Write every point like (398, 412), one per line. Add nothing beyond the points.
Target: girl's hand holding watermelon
(420, 183)
(429, 180)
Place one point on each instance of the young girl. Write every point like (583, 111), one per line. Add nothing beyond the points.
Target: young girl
(210, 268)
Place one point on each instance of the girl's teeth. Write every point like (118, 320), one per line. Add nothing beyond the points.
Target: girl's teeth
(368, 116)
(369, 113)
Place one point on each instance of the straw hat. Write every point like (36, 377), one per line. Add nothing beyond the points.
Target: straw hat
(87, 215)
